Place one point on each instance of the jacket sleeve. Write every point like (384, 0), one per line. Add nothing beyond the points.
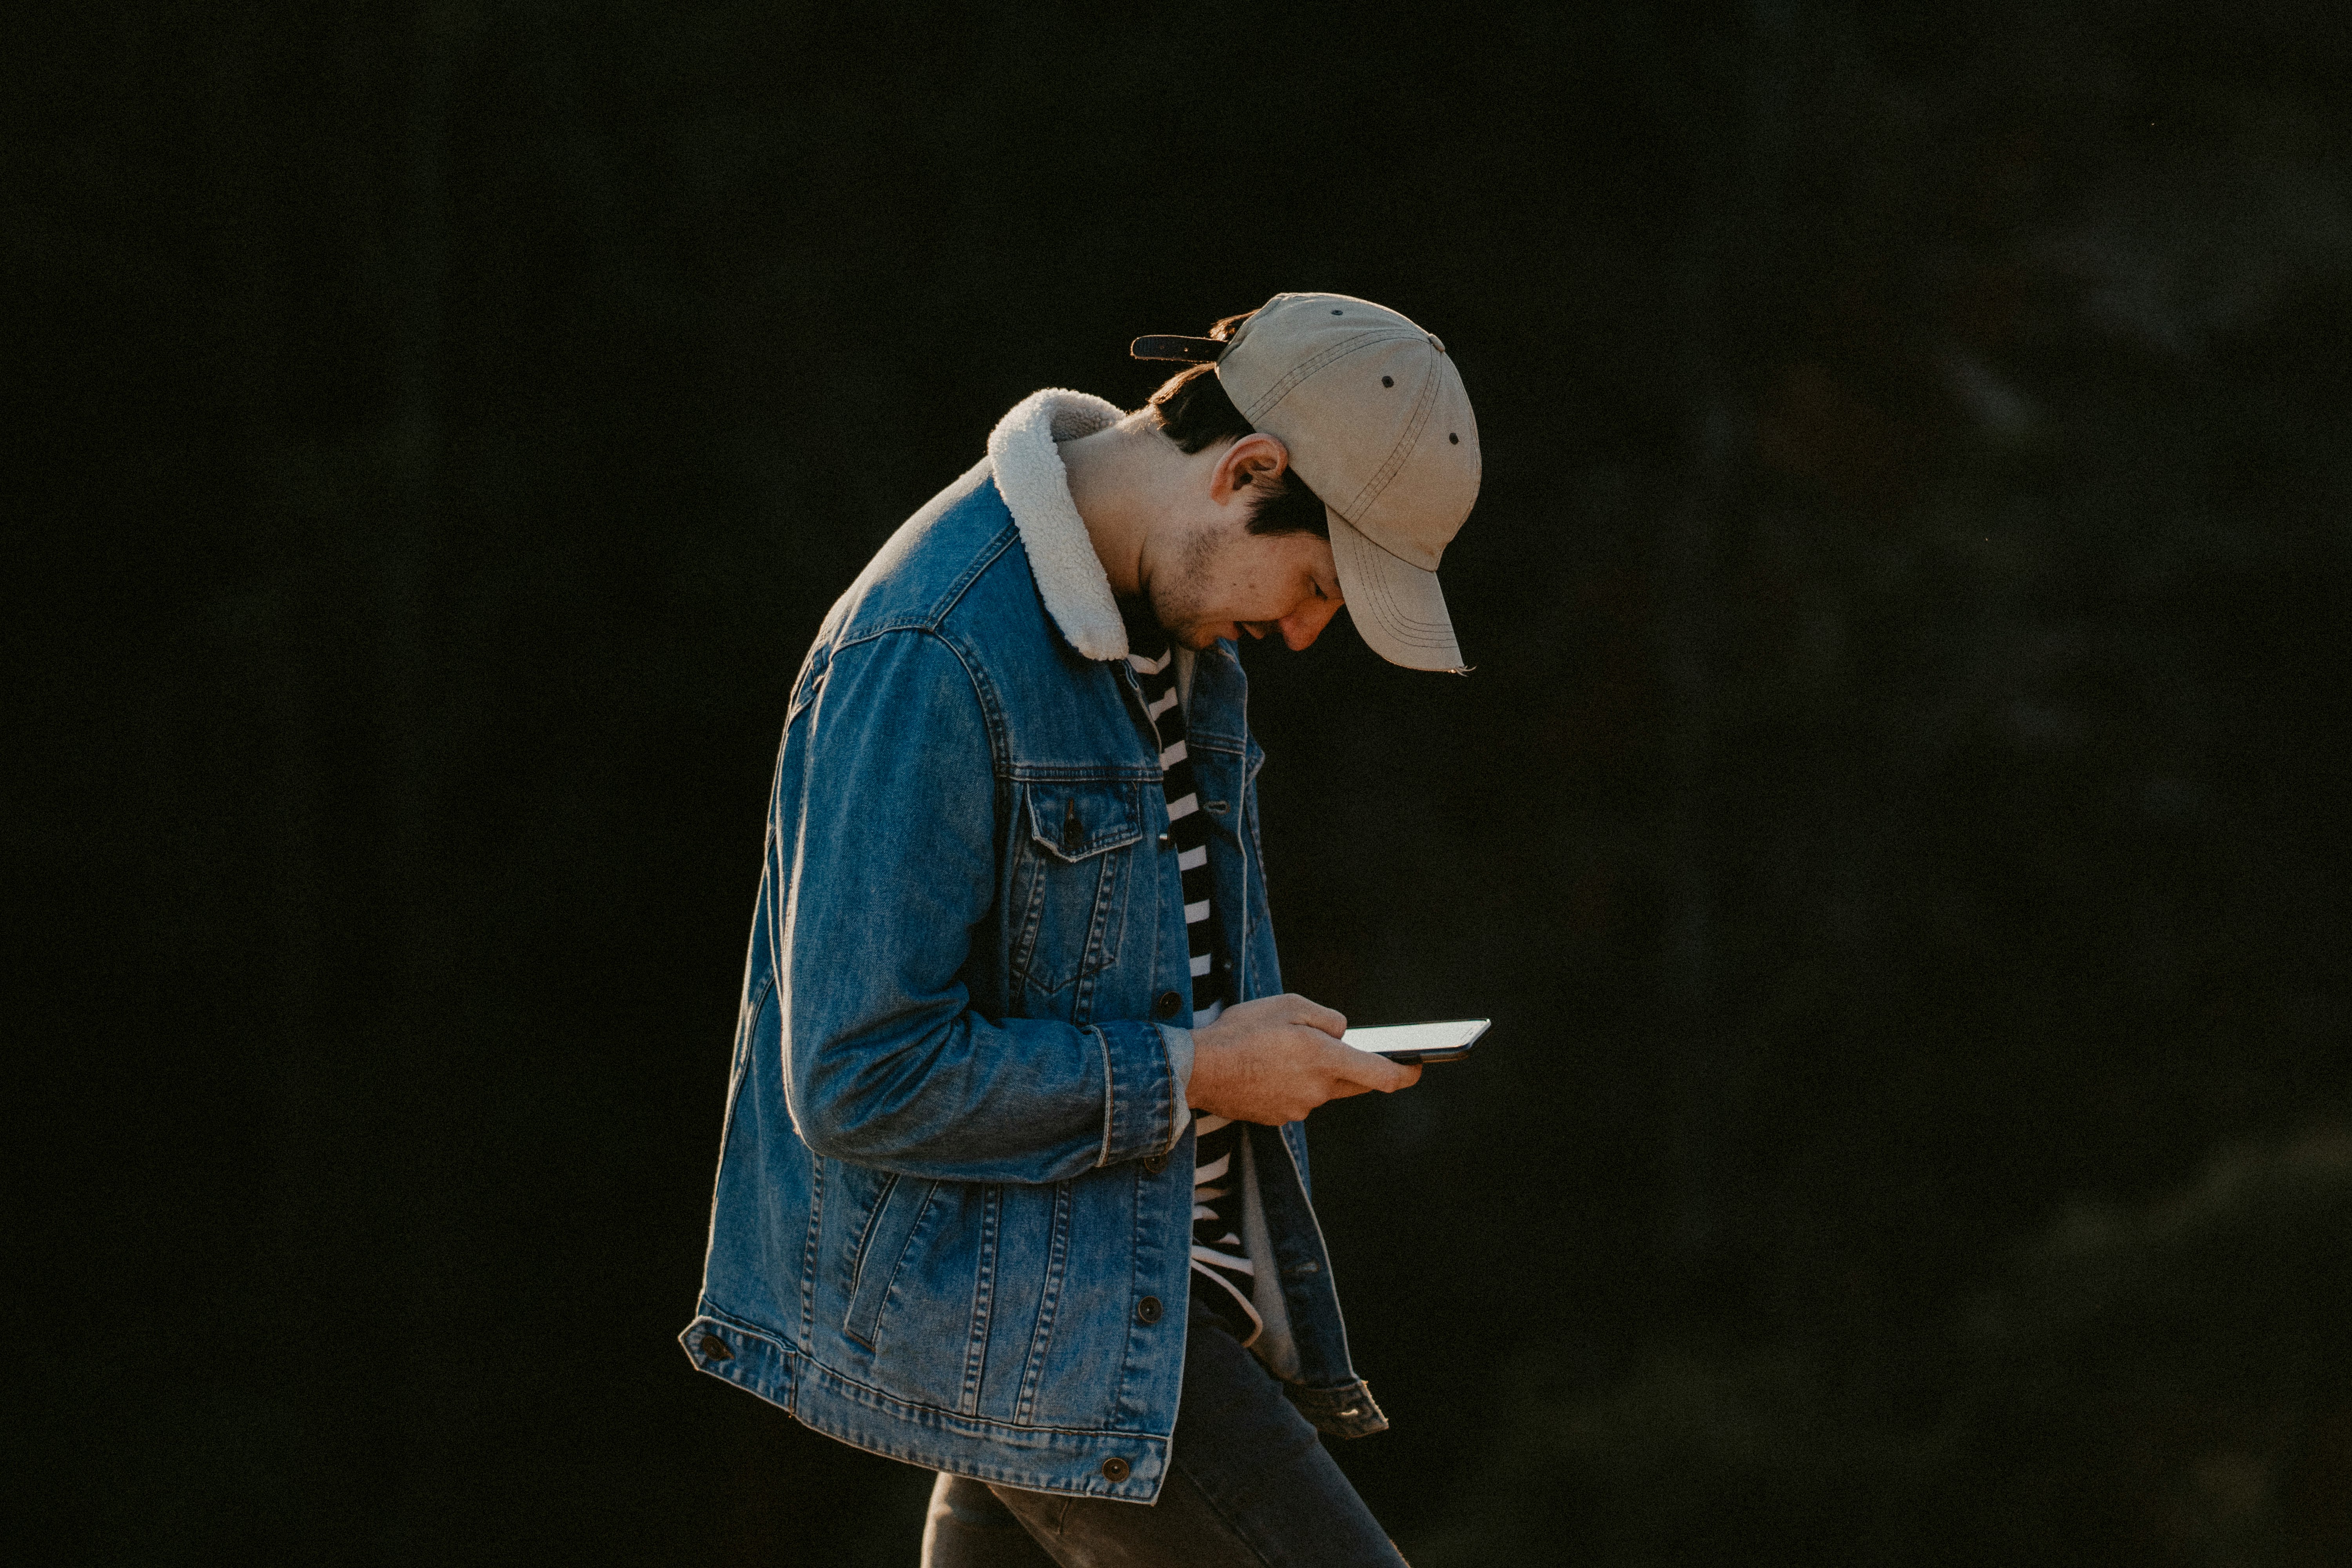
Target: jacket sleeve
(883, 841)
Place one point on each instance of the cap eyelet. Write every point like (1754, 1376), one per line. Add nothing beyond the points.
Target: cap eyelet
(1336, 313)
(1388, 381)
(1452, 439)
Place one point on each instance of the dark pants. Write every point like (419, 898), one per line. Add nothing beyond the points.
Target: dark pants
(1248, 1483)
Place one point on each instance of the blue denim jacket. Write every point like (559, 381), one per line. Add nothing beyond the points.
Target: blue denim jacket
(952, 1222)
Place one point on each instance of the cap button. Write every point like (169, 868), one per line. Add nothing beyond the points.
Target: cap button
(1435, 344)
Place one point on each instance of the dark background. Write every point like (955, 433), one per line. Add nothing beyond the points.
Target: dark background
(1898, 822)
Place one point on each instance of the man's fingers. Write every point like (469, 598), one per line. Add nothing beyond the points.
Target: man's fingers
(1354, 1082)
(1316, 1015)
(1371, 1071)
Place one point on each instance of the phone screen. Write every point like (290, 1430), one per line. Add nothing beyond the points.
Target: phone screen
(1417, 1043)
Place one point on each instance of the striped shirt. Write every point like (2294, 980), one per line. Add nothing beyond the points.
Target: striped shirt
(1221, 1270)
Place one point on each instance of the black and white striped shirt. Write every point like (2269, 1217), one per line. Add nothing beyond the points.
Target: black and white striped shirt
(1222, 1270)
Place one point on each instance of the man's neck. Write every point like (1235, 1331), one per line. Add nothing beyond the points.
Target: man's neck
(1116, 476)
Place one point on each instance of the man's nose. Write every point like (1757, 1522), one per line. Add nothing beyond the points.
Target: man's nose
(1304, 623)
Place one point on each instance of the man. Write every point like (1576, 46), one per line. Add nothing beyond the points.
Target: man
(1013, 1183)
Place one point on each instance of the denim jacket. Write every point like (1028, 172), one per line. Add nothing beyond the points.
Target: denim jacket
(952, 1222)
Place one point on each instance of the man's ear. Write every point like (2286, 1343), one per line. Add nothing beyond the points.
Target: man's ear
(1254, 461)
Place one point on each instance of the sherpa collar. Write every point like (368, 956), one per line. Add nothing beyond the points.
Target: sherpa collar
(1037, 488)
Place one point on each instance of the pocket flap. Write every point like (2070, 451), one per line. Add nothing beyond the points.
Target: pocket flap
(1073, 821)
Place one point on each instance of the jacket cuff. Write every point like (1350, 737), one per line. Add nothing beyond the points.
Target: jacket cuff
(1142, 1097)
(1179, 1067)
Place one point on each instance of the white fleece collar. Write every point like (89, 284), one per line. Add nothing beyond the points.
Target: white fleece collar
(1037, 488)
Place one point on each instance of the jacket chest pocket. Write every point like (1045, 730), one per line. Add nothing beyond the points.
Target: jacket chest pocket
(1073, 876)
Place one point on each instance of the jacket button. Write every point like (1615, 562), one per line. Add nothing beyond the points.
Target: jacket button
(1167, 1004)
(715, 1348)
(1147, 1308)
(1114, 1468)
(1167, 841)
(1154, 1164)
(1073, 834)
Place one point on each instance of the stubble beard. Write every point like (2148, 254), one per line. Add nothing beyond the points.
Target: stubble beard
(1180, 602)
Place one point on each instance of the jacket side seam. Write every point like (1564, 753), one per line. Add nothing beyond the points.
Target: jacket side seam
(1111, 1098)
(990, 713)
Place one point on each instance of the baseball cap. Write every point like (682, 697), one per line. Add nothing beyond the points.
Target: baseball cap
(1378, 426)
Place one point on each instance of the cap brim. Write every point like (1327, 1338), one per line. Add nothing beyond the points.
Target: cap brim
(1396, 605)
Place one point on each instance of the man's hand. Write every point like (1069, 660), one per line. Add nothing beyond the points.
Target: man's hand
(1274, 1059)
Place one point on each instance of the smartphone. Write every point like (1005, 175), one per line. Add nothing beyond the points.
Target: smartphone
(1414, 1044)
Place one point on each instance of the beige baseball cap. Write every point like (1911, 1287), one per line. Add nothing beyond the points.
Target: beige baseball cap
(1377, 423)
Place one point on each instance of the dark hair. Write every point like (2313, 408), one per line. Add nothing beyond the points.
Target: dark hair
(1192, 409)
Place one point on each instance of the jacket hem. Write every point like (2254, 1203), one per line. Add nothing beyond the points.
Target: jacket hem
(1059, 1460)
